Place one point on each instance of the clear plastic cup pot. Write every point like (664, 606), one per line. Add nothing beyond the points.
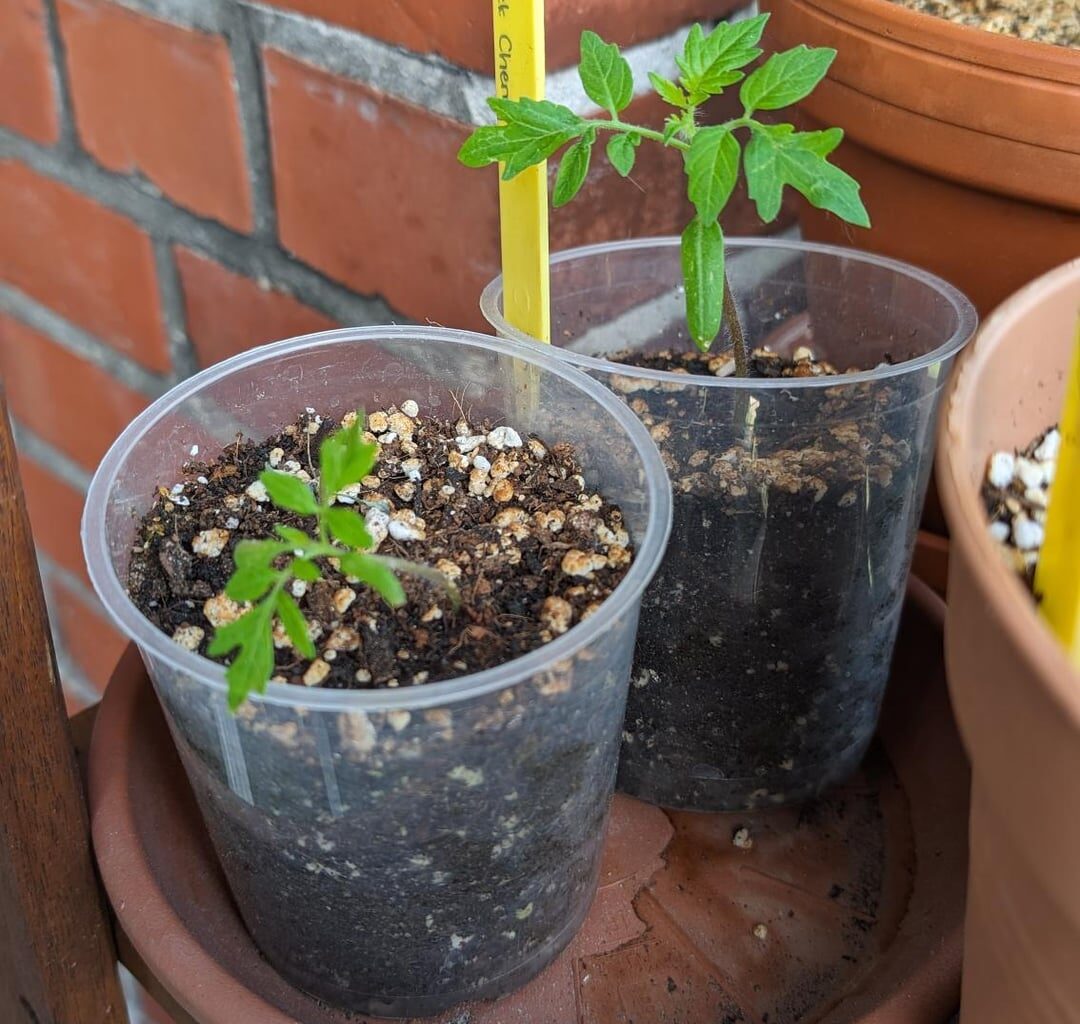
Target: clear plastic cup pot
(766, 636)
(395, 852)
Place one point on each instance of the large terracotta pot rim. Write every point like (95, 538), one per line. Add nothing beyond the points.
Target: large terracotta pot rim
(997, 583)
(961, 42)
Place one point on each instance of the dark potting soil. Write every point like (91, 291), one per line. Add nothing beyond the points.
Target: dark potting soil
(765, 638)
(530, 550)
(761, 363)
(402, 860)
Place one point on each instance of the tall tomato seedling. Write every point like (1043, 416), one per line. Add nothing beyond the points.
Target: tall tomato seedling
(772, 155)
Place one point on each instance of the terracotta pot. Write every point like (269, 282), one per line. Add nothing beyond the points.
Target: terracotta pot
(862, 894)
(1016, 697)
(967, 143)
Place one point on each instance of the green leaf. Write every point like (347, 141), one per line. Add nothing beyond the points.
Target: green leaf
(376, 574)
(251, 668)
(531, 131)
(258, 553)
(540, 117)
(729, 47)
(573, 169)
(296, 540)
(295, 624)
(777, 156)
(671, 128)
(621, 151)
(288, 492)
(250, 582)
(605, 73)
(668, 91)
(786, 78)
(345, 458)
(692, 62)
(712, 166)
(488, 145)
(348, 527)
(703, 276)
(234, 634)
(304, 569)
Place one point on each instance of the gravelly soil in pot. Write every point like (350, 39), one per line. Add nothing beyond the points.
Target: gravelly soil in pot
(1044, 21)
(1016, 491)
(401, 861)
(765, 637)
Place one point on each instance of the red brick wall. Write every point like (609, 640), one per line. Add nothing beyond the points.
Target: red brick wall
(184, 179)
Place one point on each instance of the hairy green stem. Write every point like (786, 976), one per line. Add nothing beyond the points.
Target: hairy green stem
(734, 326)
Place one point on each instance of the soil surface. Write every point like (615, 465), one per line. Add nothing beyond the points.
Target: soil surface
(762, 363)
(1016, 491)
(510, 520)
(401, 860)
(1044, 21)
(765, 638)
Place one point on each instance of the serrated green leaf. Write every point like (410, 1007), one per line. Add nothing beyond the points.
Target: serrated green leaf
(668, 91)
(347, 527)
(621, 153)
(703, 276)
(534, 151)
(671, 128)
(487, 145)
(728, 48)
(573, 169)
(295, 624)
(712, 166)
(258, 553)
(296, 540)
(605, 73)
(234, 634)
(288, 492)
(251, 668)
(786, 78)
(540, 117)
(250, 582)
(376, 574)
(345, 458)
(304, 569)
(332, 453)
(778, 156)
(823, 142)
(692, 61)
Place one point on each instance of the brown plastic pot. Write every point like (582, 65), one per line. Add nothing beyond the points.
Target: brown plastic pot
(967, 143)
(1016, 697)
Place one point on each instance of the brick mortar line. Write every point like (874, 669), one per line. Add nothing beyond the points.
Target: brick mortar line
(81, 343)
(426, 80)
(248, 88)
(54, 460)
(242, 254)
(68, 140)
(173, 312)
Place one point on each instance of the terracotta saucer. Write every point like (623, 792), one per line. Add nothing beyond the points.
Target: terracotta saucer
(846, 910)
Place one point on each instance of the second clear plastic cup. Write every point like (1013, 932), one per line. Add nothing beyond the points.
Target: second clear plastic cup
(766, 637)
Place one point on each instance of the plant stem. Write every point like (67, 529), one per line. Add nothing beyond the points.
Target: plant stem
(738, 340)
(645, 133)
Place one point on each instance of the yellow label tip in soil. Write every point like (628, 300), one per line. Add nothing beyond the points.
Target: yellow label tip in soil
(523, 201)
(1057, 578)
